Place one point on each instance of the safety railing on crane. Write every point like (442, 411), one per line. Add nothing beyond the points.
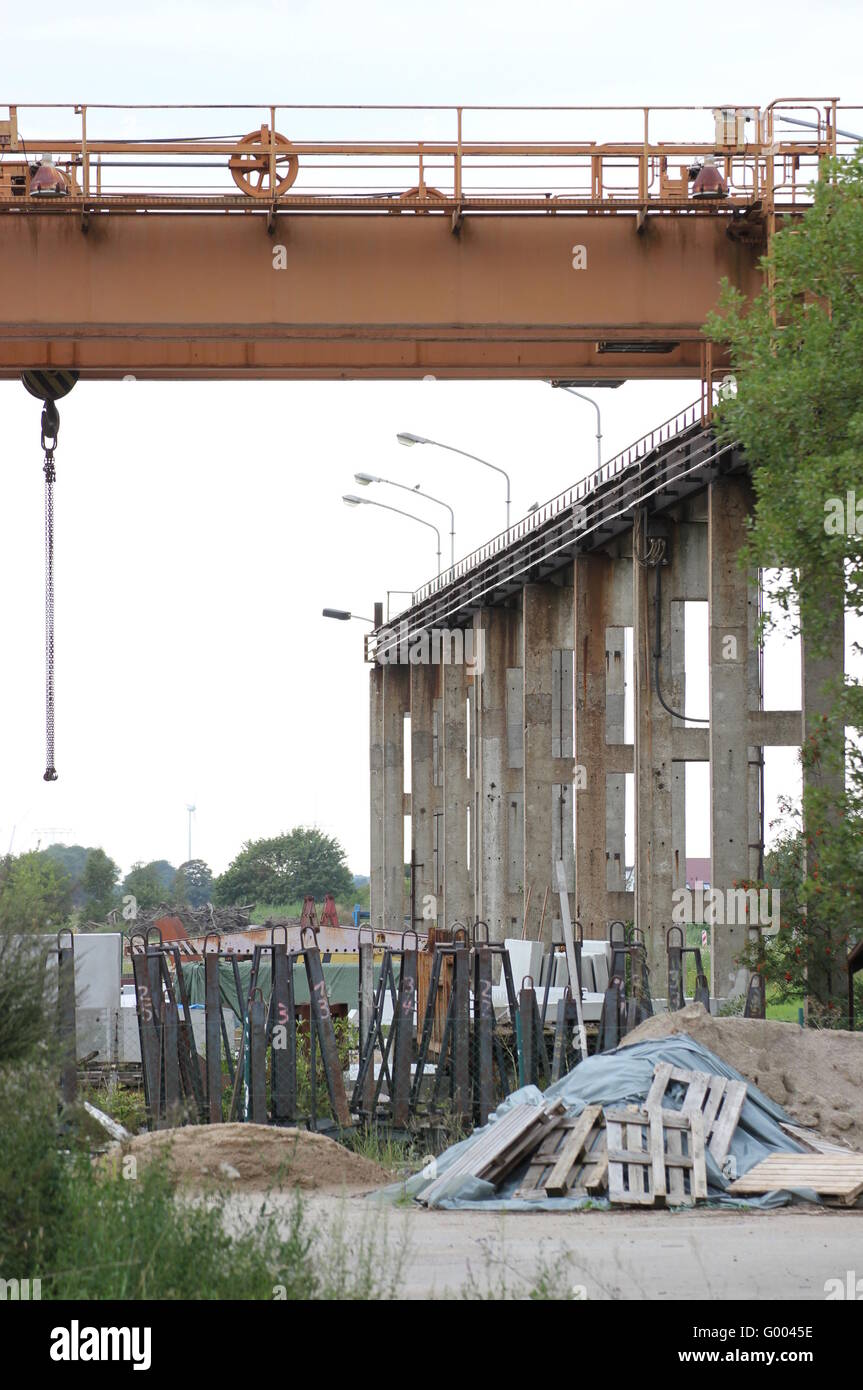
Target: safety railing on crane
(420, 159)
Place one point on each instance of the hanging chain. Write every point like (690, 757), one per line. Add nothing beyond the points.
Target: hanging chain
(50, 431)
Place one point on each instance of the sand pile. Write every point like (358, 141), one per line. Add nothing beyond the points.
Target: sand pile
(817, 1076)
(257, 1158)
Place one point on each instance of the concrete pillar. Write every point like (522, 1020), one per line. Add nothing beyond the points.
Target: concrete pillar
(823, 667)
(547, 648)
(396, 704)
(603, 611)
(654, 786)
(499, 775)
(729, 597)
(425, 792)
(457, 798)
(376, 797)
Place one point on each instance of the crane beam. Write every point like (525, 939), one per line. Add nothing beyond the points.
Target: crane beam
(187, 294)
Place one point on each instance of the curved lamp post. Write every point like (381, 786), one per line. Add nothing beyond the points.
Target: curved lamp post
(352, 501)
(365, 479)
(410, 439)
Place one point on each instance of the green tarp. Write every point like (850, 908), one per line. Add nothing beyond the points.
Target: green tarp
(342, 981)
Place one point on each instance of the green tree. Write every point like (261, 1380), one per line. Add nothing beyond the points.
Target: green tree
(193, 883)
(146, 885)
(285, 868)
(99, 884)
(797, 353)
(35, 894)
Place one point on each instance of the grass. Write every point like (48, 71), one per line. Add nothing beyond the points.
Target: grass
(125, 1104)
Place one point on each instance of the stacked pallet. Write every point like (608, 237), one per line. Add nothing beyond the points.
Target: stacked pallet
(638, 1156)
(644, 1155)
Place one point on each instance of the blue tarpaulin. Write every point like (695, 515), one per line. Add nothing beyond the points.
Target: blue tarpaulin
(611, 1079)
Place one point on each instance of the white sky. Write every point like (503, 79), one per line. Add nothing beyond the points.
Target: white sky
(200, 530)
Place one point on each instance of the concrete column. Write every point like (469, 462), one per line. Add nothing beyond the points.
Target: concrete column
(603, 610)
(547, 647)
(396, 704)
(729, 597)
(376, 798)
(499, 776)
(654, 786)
(425, 793)
(457, 799)
(823, 662)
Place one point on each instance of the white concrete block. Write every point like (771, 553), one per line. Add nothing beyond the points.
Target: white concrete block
(526, 959)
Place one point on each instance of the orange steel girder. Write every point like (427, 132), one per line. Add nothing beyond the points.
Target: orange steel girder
(197, 295)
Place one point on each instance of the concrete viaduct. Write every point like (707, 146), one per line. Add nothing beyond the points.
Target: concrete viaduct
(519, 758)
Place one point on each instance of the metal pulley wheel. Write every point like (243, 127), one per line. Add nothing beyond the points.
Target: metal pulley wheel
(250, 167)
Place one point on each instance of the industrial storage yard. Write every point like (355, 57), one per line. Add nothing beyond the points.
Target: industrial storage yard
(431, 527)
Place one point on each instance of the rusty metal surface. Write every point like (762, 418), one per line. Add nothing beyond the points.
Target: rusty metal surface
(455, 256)
(189, 296)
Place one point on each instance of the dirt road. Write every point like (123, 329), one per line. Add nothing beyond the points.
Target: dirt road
(784, 1254)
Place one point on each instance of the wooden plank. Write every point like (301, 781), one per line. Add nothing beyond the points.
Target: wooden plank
(657, 1151)
(594, 1176)
(699, 1166)
(812, 1141)
(557, 1184)
(721, 1131)
(510, 1158)
(661, 1077)
(703, 1092)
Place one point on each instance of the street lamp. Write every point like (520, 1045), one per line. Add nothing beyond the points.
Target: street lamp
(364, 479)
(410, 439)
(341, 615)
(563, 386)
(191, 810)
(352, 501)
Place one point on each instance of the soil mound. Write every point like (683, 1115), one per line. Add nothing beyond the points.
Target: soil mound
(815, 1074)
(256, 1158)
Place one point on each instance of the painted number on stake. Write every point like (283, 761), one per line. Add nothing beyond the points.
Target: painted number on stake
(323, 1002)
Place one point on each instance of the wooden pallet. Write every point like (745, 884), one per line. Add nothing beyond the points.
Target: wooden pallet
(655, 1156)
(572, 1159)
(504, 1145)
(839, 1176)
(718, 1101)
